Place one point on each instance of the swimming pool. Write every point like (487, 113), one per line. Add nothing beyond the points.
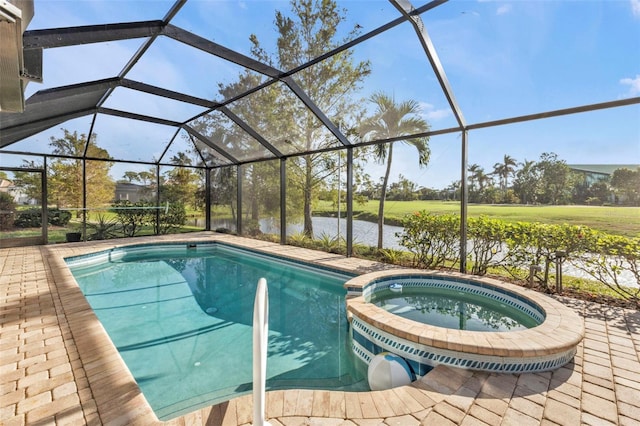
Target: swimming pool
(181, 314)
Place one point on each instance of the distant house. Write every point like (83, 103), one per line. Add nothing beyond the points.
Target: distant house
(18, 196)
(594, 173)
(597, 172)
(132, 192)
(5, 185)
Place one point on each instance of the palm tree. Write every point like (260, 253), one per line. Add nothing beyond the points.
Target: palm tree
(526, 181)
(477, 175)
(504, 170)
(473, 170)
(393, 120)
(453, 189)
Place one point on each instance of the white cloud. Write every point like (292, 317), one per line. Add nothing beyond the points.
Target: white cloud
(635, 7)
(634, 85)
(432, 114)
(504, 9)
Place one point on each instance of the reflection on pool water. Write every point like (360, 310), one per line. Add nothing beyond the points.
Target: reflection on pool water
(446, 318)
(181, 318)
(452, 309)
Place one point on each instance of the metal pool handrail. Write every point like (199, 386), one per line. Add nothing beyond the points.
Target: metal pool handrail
(260, 343)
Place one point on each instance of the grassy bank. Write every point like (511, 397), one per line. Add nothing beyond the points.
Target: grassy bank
(615, 220)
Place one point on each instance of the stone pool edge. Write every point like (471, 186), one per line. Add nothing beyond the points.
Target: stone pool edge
(560, 333)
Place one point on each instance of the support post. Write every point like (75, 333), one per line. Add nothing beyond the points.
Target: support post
(464, 198)
(283, 201)
(349, 201)
(84, 199)
(239, 178)
(207, 199)
(157, 198)
(532, 274)
(45, 204)
(560, 255)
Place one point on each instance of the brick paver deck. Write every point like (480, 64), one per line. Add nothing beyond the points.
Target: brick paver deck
(57, 366)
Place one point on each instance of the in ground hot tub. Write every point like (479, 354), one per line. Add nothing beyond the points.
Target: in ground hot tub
(459, 320)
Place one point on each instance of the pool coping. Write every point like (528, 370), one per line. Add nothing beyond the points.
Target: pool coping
(561, 331)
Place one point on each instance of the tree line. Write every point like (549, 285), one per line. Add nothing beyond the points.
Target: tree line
(546, 181)
(549, 180)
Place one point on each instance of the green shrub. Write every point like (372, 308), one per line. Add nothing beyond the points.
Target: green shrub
(30, 218)
(486, 237)
(539, 244)
(58, 217)
(133, 216)
(172, 218)
(251, 227)
(300, 240)
(606, 257)
(364, 250)
(515, 247)
(432, 239)
(392, 256)
(7, 211)
(327, 243)
(104, 228)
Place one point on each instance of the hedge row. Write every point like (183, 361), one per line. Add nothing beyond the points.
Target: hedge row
(434, 241)
(32, 218)
(133, 217)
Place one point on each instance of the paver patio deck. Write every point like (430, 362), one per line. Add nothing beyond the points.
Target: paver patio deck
(58, 366)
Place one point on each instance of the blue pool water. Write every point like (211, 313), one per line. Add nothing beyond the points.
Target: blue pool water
(181, 319)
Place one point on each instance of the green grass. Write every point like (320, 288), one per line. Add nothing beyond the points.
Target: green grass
(615, 220)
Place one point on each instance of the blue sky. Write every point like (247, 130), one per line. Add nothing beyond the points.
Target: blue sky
(502, 59)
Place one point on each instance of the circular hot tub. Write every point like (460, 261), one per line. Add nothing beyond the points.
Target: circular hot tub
(459, 320)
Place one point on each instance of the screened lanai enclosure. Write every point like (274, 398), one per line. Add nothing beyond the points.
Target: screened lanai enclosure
(279, 119)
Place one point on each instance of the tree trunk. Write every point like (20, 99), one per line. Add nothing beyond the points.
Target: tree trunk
(383, 196)
(308, 224)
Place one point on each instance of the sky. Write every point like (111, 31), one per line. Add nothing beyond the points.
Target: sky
(501, 58)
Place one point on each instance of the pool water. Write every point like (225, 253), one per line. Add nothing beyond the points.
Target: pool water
(453, 309)
(182, 321)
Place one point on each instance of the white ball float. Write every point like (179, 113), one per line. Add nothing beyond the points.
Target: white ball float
(387, 370)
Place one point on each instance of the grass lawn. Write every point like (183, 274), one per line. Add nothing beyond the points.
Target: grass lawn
(615, 220)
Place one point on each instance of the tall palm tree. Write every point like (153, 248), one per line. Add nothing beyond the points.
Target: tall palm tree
(504, 170)
(392, 120)
(477, 176)
(526, 181)
(473, 170)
